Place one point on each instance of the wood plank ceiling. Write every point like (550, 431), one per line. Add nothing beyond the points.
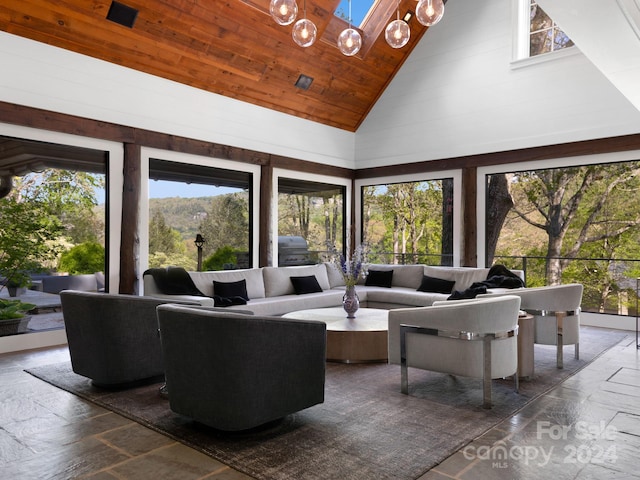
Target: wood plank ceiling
(230, 47)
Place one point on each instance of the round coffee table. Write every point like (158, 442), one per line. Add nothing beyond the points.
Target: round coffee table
(352, 340)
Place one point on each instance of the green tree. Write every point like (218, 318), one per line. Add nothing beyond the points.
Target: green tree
(70, 196)
(166, 245)
(182, 214)
(316, 216)
(163, 238)
(226, 223)
(405, 219)
(28, 234)
(162, 259)
(294, 214)
(575, 206)
(40, 211)
(81, 227)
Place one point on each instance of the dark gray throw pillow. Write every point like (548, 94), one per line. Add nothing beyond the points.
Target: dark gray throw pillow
(231, 289)
(379, 278)
(436, 285)
(308, 284)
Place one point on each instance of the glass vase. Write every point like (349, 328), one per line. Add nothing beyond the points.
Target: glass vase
(350, 302)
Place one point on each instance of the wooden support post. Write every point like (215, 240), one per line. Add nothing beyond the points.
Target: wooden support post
(129, 238)
(469, 235)
(265, 249)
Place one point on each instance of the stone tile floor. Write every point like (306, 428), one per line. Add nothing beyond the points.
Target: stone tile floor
(586, 428)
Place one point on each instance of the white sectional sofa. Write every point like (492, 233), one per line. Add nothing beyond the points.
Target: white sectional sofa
(271, 291)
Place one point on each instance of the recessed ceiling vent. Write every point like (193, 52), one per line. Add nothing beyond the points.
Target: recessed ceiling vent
(122, 14)
(304, 82)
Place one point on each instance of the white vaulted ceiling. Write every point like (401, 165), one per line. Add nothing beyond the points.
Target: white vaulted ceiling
(608, 33)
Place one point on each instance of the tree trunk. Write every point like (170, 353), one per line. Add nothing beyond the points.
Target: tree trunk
(499, 202)
(328, 234)
(554, 264)
(447, 223)
(396, 242)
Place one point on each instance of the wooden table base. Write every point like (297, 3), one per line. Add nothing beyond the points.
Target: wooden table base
(357, 346)
(359, 340)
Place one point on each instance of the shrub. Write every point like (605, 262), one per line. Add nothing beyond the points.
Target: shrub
(221, 259)
(87, 257)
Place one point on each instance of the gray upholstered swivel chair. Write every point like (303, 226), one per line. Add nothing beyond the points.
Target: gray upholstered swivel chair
(235, 372)
(113, 338)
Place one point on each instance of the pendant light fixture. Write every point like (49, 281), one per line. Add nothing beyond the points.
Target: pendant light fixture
(283, 11)
(304, 30)
(349, 40)
(429, 12)
(397, 33)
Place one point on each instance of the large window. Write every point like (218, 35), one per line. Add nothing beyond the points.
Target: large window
(409, 222)
(52, 227)
(572, 224)
(190, 200)
(311, 221)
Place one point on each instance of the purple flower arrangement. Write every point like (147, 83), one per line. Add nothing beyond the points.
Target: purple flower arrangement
(352, 266)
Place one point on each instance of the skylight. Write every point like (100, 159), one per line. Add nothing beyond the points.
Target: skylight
(359, 10)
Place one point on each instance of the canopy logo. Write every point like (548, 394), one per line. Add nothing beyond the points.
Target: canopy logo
(580, 445)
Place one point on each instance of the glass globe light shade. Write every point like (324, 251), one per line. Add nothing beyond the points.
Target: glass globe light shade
(349, 41)
(429, 12)
(397, 33)
(304, 32)
(283, 11)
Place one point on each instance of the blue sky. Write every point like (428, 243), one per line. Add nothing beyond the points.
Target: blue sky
(359, 9)
(162, 189)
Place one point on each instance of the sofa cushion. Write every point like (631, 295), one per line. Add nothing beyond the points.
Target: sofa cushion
(231, 289)
(398, 297)
(408, 276)
(306, 284)
(253, 277)
(276, 279)
(436, 285)
(334, 274)
(289, 303)
(379, 278)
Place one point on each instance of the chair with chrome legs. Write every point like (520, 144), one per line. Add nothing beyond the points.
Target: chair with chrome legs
(472, 338)
(556, 312)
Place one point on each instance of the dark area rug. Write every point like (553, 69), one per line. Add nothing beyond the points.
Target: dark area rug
(365, 429)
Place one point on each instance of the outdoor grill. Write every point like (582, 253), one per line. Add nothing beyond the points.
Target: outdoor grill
(293, 250)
